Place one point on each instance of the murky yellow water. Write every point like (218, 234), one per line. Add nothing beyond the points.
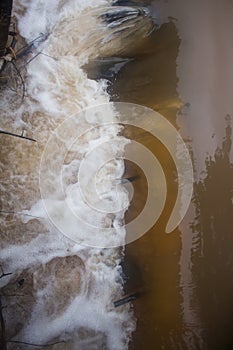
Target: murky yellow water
(184, 279)
(152, 262)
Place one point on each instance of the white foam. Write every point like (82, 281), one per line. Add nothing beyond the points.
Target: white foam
(57, 88)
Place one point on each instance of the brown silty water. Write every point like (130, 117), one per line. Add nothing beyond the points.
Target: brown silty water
(183, 281)
(152, 262)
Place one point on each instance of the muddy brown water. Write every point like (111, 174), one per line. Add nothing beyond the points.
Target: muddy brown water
(183, 281)
(152, 262)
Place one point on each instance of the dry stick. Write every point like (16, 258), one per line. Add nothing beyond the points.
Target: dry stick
(3, 273)
(21, 78)
(15, 135)
(40, 53)
(31, 344)
(31, 59)
(13, 295)
(15, 213)
(25, 49)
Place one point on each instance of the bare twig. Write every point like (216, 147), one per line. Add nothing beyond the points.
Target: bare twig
(16, 135)
(3, 273)
(40, 53)
(13, 295)
(31, 344)
(15, 213)
(21, 78)
(25, 49)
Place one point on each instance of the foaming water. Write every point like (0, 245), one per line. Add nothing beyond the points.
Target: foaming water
(66, 289)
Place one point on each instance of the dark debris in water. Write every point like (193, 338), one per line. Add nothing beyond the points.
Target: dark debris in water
(118, 15)
(130, 3)
(125, 300)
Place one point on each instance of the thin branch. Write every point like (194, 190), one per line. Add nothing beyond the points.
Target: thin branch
(21, 78)
(15, 135)
(31, 59)
(45, 54)
(15, 213)
(13, 295)
(40, 53)
(3, 273)
(25, 49)
(31, 344)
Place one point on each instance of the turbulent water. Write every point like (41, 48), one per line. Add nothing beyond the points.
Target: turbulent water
(60, 290)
